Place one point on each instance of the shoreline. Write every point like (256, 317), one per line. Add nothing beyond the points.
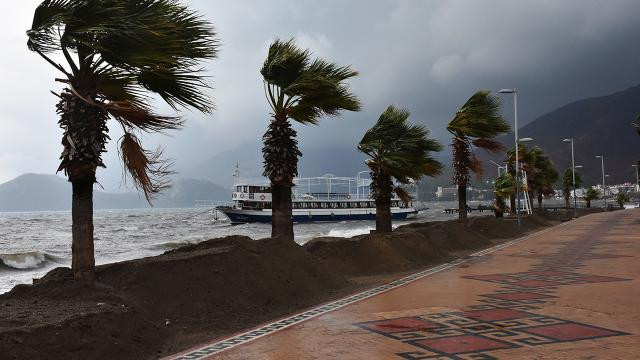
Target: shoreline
(157, 306)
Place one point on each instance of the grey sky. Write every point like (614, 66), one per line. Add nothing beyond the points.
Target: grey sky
(428, 56)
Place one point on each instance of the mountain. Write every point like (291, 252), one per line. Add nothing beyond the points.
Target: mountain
(38, 192)
(599, 126)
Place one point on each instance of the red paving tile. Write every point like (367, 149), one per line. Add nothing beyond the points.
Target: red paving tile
(401, 325)
(535, 283)
(568, 332)
(519, 296)
(462, 344)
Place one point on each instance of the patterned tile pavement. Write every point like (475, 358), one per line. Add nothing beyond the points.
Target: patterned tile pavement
(542, 295)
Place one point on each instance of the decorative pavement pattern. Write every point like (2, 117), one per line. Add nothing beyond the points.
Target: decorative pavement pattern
(502, 319)
(245, 337)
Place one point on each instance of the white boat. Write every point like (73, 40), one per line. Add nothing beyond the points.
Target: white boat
(315, 199)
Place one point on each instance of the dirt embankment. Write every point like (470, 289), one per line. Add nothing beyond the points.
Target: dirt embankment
(153, 307)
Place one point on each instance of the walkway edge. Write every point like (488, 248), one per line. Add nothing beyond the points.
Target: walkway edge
(204, 351)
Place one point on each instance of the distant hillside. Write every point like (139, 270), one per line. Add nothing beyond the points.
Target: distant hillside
(599, 126)
(38, 192)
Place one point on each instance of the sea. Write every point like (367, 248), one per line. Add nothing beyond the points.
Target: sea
(33, 243)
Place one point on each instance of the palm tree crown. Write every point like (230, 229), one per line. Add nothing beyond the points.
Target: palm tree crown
(123, 50)
(399, 151)
(478, 122)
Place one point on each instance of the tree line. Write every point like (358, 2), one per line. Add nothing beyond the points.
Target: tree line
(120, 53)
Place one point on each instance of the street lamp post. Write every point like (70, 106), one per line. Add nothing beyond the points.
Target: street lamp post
(499, 167)
(573, 169)
(515, 116)
(604, 189)
(637, 182)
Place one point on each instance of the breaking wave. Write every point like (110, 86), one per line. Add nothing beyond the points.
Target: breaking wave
(349, 232)
(25, 261)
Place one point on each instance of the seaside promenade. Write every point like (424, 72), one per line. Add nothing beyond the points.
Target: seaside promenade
(570, 292)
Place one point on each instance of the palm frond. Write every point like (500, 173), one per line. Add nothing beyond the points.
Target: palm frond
(479, 117)
(399, 149)
(147, 169)
(132, 116)
(48, 16)
(489, 145)
(285, 63)
(177, 88)
(304, 90)
(402, 194)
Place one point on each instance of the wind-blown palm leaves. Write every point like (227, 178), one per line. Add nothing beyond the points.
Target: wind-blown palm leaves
(504, 186)
(399, 151)
(541, 173)
(300, 89)
(567, 184)
(116, 52)
(590, 195)
(476, 124)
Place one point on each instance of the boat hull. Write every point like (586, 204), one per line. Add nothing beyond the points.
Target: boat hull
(238, 216)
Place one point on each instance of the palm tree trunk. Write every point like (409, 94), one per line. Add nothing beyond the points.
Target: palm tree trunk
(383, 215)
(281, 154)
(462, 203)
(84, 139)
(539, 199)
(382, 187)
(82, 257)
(281, 212)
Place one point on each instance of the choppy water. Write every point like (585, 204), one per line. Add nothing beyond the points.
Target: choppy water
(32, 243)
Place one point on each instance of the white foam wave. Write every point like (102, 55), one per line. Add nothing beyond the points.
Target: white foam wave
(22, 261)
(350, 232)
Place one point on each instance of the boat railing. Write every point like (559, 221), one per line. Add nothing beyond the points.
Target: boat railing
(212, 203)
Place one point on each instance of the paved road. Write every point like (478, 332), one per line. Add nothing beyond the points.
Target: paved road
(569, 293)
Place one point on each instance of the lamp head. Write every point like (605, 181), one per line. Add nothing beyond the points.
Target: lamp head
(567, 140)
(578, 166)
(598, 156)
(526, 139)
(507, 91)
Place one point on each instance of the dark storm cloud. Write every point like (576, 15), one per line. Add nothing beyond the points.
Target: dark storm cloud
(428, 56)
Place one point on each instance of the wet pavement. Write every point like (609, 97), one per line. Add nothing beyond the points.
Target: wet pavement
(571, 292)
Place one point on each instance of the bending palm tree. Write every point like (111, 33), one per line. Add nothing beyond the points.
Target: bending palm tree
(591, 194)
(477, 123)
(398, 151)
(116, 50)
(541, 174)
(303, 90)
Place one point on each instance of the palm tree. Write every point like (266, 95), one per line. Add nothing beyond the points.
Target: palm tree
(399, 151)
(116, 51)
(622, 198)
(541, 174)
(592, 194)
(567, 184)
(477, 123)
(300, 89)
(504, 186)
(544, 178)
